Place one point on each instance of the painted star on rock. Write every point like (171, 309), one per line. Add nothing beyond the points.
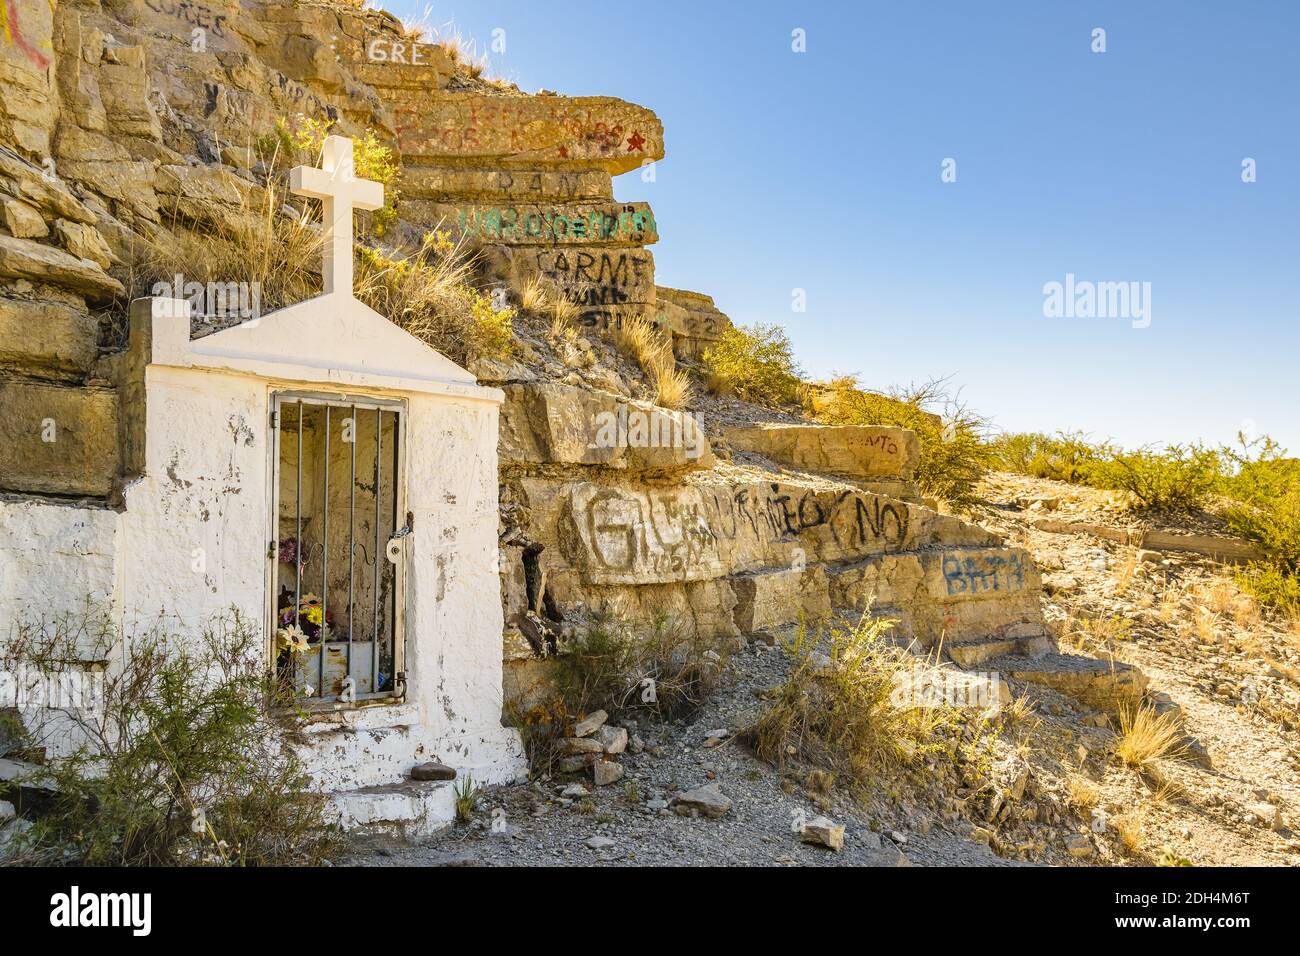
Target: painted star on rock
(635, 142)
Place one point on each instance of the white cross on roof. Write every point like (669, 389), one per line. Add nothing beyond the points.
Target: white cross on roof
(336, 185)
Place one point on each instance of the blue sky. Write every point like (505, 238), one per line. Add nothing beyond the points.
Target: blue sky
(821, 171)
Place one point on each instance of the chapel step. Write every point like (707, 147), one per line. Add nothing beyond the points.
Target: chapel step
(411, 809)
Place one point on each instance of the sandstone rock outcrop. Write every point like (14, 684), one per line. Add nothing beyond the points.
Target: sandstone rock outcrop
(694, 320)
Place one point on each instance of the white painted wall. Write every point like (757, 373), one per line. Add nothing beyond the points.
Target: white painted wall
(55, 559)
(192, 541)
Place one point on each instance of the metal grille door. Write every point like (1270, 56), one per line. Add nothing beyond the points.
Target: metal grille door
(337, 549)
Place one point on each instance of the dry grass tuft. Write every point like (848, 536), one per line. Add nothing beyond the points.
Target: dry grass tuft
(533, 296)
(272, 251)
(1146, 736)
(563, 314)
(652, 349)
(1129, 828)
(1126, 571)
(1081, 792)
(839, 712)
(428, 293)
(1170, 603)
(1021, 713)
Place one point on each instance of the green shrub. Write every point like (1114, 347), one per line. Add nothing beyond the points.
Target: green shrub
(1264, 493)
(1175, 478)
(1272, 585)
(1066, 456)
(1265, 486)
(175, 759)
(299, 139)
(954, 455)
(756, 364)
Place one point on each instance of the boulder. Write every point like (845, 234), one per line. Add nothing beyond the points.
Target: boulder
(85, 242)
(59, 440)
(695, 322)
(574, 763)
(771, 599)
(433, 770)
(590, 724)
(1078, 846)
(822, 831)
(708, 801)
(46, 337)
(542, 223)
(455, 183)
(606, 772)
(41, 189)
(548, 423)
(613, 740)
(1269, 815)
(24, 221)
(531, 132)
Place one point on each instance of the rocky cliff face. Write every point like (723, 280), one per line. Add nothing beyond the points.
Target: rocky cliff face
(129, 122)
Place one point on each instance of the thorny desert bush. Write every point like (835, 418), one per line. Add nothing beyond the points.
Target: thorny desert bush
(1255, 487)
(1174, 478)
(953, 455)
(177, 762)
(836, 711)
(754, 363)
(613, 666)
(1066, 456)
(1265, 492)
(544, 726)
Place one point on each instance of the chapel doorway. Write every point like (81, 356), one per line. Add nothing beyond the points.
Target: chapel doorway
(337, 548)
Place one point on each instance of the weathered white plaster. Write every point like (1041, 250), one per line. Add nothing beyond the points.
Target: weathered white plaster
(191, 543)
(206, 492)
(55, 558)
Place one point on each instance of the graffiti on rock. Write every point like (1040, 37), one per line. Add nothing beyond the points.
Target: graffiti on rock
(629, 536)
(973, 574)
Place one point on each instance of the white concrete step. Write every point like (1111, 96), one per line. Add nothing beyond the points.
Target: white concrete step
(411, 809)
